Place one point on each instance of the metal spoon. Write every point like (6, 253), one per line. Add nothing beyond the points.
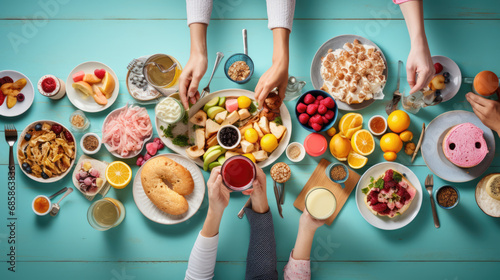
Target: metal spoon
(58, 193)
(55, 207)
(160, 67)
(393, 104)
(218, 59)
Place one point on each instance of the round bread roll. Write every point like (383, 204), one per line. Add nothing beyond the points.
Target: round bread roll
(166, 183)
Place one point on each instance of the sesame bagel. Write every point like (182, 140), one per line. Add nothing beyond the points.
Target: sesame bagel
(166, 183)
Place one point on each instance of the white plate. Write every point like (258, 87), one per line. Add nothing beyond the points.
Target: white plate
(53, 179)
(87, 103)
(138, 93)
(338, 43)
(194, 200)
(28, 91)
(285, 116)
(115, 154)
(455, 76)
(387, 223)
(432, 151)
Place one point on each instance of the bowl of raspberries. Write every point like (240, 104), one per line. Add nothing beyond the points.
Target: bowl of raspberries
(316, 111)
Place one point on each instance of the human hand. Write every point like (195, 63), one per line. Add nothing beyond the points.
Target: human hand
(258, 194)
(308, 222)
(274, 77)
(487, 110)
(419, 62)
(218, 194)
(190, 79)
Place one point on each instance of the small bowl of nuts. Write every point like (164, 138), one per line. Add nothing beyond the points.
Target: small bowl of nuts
(90, 143)
(239, 68)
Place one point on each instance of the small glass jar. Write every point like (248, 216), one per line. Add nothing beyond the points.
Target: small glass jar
(79, 122)
(106, 213)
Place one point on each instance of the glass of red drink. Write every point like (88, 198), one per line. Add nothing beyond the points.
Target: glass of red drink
(238, 173)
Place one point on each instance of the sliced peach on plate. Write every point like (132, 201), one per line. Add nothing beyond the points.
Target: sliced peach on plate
(83, 87)
(99, 96)
(438, 82)
(91, 79)
(108, 85)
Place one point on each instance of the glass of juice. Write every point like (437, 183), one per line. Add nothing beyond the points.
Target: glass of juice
(320, 203)
(238, 173)
(158, 79)
(106, 213)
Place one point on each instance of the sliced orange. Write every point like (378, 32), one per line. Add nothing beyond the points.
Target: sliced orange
(356, 160)
(108, 85)
(350, 123)
(362, 142)
(118, 174)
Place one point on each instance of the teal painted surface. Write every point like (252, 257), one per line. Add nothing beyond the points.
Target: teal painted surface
(464, 246)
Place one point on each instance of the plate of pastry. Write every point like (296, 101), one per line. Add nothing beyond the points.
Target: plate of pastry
(168, 189)
(92, 86)
(352, 69)
(16, 93)
(458, 147)
(389, 195)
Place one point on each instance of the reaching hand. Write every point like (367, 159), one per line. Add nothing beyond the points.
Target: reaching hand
(276, 76)
(307, 222)
(258, 193)
(190, 79)
(487, 110)
(419, 62)
(218, 194)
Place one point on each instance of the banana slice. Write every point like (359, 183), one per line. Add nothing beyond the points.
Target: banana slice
(493, 186)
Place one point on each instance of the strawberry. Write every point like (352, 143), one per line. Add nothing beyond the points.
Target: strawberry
(301, 107)
(325, 119)
(308, 99)
(320, 97)
(317, 119)
(328, 102)
(330, 114)
(152, 148)
(311, 109)
(146, 157)
(322, 109)
(317, 102)
(438, 67)
(140, 160)
(304, 118)
(316, 127)
(100, 73)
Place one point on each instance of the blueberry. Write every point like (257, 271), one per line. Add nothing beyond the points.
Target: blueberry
(438, 92)
(446, 80)
(28, 169)
(38, 127)
(27, 137)
(44, 175)
(25, 165)
(446, 74)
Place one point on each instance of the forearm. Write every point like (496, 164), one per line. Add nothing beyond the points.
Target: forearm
(303, 244)
(212, 223)
(198, 33)
(414, 17)
(201, 264)
(281, 38)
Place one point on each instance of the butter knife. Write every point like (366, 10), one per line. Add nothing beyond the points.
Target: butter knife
(277, 195)
(393, 104)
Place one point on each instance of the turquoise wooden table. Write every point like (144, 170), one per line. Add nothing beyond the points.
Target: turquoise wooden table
(53, 36)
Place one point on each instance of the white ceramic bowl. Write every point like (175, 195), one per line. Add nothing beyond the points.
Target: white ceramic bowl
(302, 152)
(237, 142)
(55, 178)
(33, 205)
(370, 128)
(115, 154)
(98, 145)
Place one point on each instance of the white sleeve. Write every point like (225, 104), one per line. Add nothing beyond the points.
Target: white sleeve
(201, 262)
(198, 11)
(280, 13)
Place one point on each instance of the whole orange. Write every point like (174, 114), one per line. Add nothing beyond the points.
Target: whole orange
(391, 142)
(398, 121)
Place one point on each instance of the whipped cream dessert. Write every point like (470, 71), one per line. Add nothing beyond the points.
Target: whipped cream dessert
(354, 73)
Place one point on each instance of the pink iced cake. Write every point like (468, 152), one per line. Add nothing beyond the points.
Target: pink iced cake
(464, 145)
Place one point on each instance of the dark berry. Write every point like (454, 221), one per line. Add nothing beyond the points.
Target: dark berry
(28, 169)
(38, 127)
(56, 128)
(7, 79)
(438, 92)
(44, 175)
(446, 74)
(27, 137)
(68, 136)
(20, 97)
(446, 80)
(25, 165)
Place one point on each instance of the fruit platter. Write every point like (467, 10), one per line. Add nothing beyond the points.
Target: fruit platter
(262, 137)
(16, 93)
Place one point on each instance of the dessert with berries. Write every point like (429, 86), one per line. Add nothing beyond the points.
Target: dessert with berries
(51, 87)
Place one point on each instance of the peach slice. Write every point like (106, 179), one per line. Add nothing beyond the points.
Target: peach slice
(108, 85)
(99, 96)
(83, 87)
(91, 79)
(438, 82)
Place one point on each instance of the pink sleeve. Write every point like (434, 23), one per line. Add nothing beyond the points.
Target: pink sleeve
(297, 269)
(400, 1)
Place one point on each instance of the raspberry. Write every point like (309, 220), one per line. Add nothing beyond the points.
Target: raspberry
(316, 126)
(328, 102)
(438, 67)
(100, 73)
(308, 99)
(140, 160)
(329, 114)
(322, 109)
(317, 119)
(388, 175)
(7, 79)
(68, 136)
(379, 207)
(152, 148)
(311, 109)
(301, 107)
(20, 97)
(49, 84)
(304, 118)
(325, 119)
(317, 102)
(56, 128)
(146, 157)
(320, 97)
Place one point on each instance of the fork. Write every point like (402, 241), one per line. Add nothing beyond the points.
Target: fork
(218, 59)
(429, 184)
(11, 138)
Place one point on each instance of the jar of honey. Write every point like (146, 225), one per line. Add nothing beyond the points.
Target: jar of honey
(41, 205)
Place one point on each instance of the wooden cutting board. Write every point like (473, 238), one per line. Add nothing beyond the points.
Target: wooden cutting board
(319, 179)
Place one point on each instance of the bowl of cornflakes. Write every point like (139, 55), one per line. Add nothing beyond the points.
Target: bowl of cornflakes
(46, 151)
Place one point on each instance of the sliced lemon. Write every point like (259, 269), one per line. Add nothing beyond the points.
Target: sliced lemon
(356, 160)
(362, 142)
(250, 156)
(118, 174)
